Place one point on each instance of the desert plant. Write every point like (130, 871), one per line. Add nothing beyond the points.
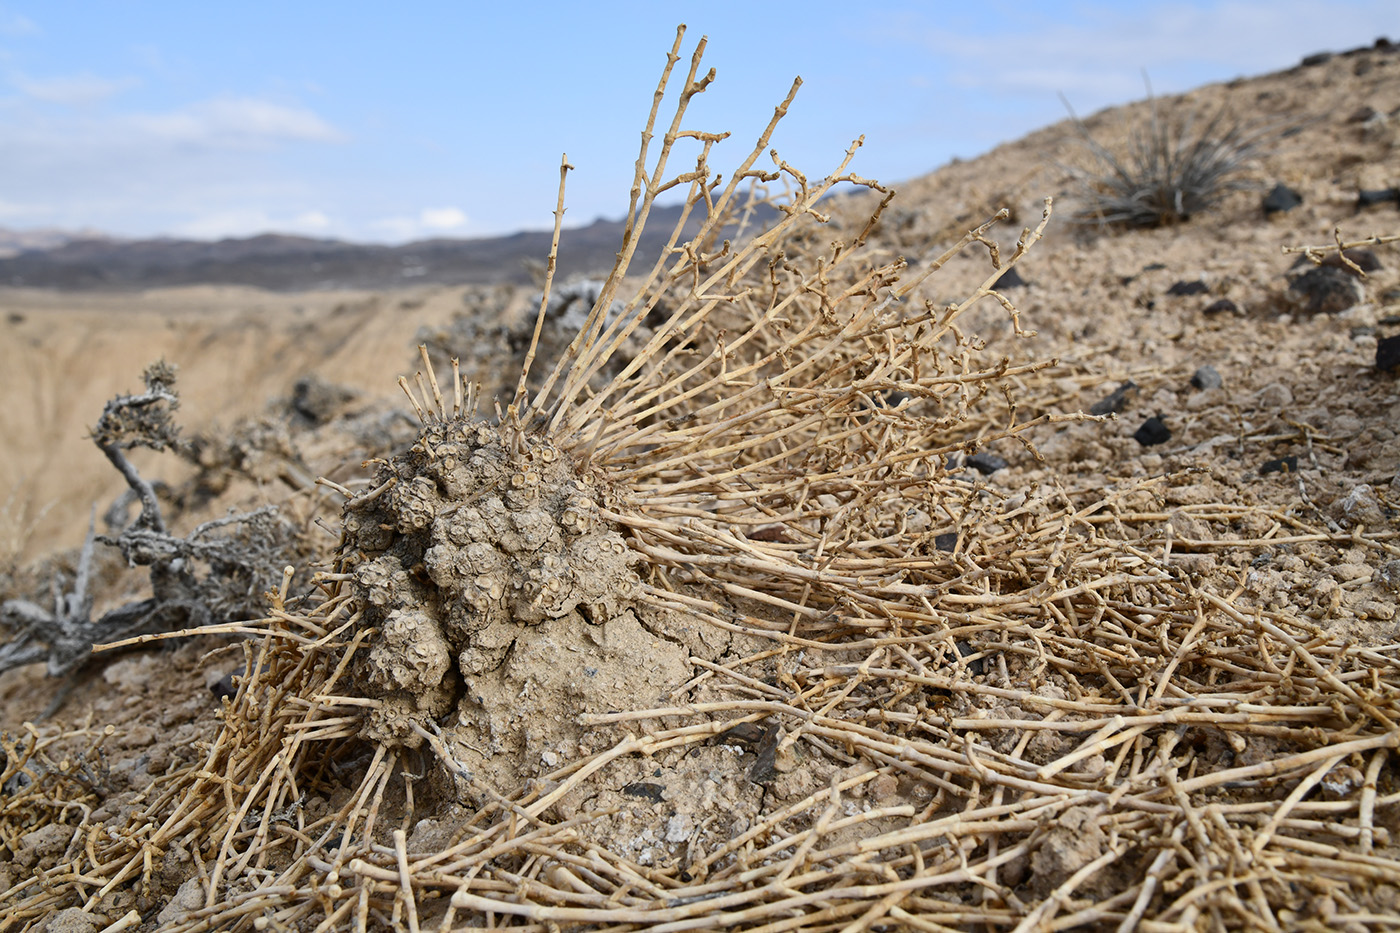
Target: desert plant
(217, 572)
(965, 709)
(1166, 171)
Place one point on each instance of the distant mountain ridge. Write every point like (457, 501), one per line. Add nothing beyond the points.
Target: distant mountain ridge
(283, 262)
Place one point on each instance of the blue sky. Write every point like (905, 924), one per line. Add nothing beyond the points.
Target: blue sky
(448, 118)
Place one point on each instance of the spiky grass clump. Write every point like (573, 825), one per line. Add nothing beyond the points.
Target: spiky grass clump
(1023, 713)
(1167, 171)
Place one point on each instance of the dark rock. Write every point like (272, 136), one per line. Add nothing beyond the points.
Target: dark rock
(1281, 198)
(644, 790)
(765, 766)
(1217, 307)
(986, 463)
(947, 541)
(319, 401)
(1189, 288)
(1154, 267)
(1317, 58)
(1153, 431)
(891, 398)
(747, 734)
(1281, 465)
(1388, 353)
(1324, 290)
(1362, 114)
(1010, 279)
(1362, 259)
(1115, 402)
(1207, 377)
(223, 687)
(1381, 196)
(976, 665)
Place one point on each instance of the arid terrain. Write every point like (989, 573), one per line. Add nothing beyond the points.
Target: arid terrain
(1254, 458)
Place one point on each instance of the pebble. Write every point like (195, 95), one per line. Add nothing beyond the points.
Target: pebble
(1206, 377)
(1325, 290)
(1196, 287)
(1010, 279)
(1360, 506)
(1221, 306)
(986, 463)
(1287, 464)
(1114, 402)
(1274, 395)
(1153, 431)
(678, 828)
(189, 897)
(1388, 353)
(1281, 198)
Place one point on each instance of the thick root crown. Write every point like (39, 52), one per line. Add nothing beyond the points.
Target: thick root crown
(475, 531)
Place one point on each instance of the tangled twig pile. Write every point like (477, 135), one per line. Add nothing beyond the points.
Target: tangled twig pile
(964, 710)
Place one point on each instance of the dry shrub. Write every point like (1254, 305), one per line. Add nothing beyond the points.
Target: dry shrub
(1012, 713)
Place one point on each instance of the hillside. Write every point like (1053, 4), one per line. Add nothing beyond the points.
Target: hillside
(279, 262)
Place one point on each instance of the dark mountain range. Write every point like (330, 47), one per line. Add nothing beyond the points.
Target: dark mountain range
(294, 263)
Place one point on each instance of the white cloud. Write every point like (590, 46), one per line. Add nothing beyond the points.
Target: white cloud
(442, 218)
(243, 222)
(14, 24)
(431, 221)
(72, 90)
(311, 221)
(236, 122)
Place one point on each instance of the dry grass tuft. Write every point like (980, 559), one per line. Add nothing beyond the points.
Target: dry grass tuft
(1167, 171)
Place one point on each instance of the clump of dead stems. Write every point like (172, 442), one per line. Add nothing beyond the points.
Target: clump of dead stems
(1084, 736)
(1166, 171)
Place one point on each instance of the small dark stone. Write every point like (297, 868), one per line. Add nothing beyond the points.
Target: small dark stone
(1189, 288)
(1362, 259)
(1207, 377)
(1115, 402)
(1153, 431)
(891, 398)
(1362, 330)
(986, 463)
(319, 401)
(1281, 198)
(947, 541)
(765, 767)
(1281, 465)
(644, 790)
(1154, 267)
(1325, 290)
(746, 734)
(1010, 279)
(1317, 58)
(15, 317)
(976, 665)
(223, 687)
(1381, 196)
(1217, 307)
(1388, 353)
(1390, 320)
